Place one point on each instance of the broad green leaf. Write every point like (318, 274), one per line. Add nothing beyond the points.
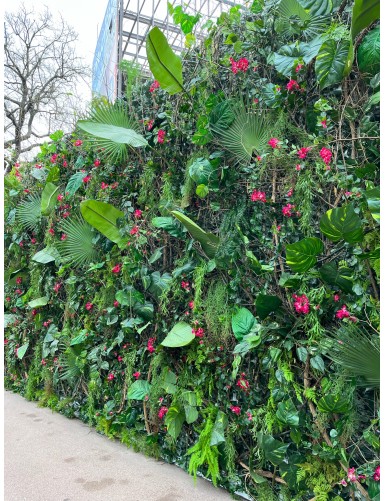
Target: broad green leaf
(157, 254)
(22, 350)
(9, 319)
(202, 191)
(266, 304)
(218, 433)
(301, 256)
(119, 135)
(342, 224)
(80, 338)
(373, 199)
(146, 310)
(201, 170)
(48, 198)
(340, 277)
(288, 55)
(242, 323)
(368, 54)
(138, 390)
(334, 404)
(46, 255)
(129, 297)
(103, 217)
(317, 363)
(159, 283)
(164, 64)
(331, 61)
(170, 225)
(363, 14)
(180, 335)
(302, 353)
(74, 183)
(191, 413)
(208, 241)
(53, 175)
(40, 301)
(287, 413)
(174, 421)
(169, 383)
(275, 450)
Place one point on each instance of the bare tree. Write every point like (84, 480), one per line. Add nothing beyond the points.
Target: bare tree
(40, 74)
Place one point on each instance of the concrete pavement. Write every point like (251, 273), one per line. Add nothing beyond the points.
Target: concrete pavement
(49, 457)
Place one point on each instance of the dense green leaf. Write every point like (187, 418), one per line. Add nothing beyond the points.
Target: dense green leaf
(335, 404)
(373, 199)
(37, 303)
(287, 413)
(242, 322)
(21, 351)
(340, 277)
(317, 363)
(266, 304)
(129, 297)
(219, 428)
(364, 13)
(368, 54)
(28, 213)
(78, 247)
(159, 283)
(301, 256)
(170, 225)
(201, 170)
(288, 55)
(46, 255)
(103, 217)
(275, 450)
(119, 135)
(342, 224)
(48, 198)
(169, 382)
(74, 183)
(180, 335)
(208, 241)
(164, 64)
(331, 61)
(138, 390)
(174, 421)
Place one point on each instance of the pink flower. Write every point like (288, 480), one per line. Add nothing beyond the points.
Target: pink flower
(63, 237)
(352, 475)
(259, 158)
(26, 191)
(57, 287)
(198, 332)
(120, 358)
(343, 313)
(89, 306)
(290, 193)
(21, 244)
(66, 214)
(65, 163)
(191, 305)
(116, 303)
(104, 186)
(235, 409)
(326, 155)
(243, 64)
(162, 412)
(43, 362)
(301, 304)
(136, 375)
(376, 475)
(302, 153)
(53, 158)
(33, 240)
(249, 416)
(343, 483)
(19, 280)
(323, 123)
(298, 68)
(243, 383)
(134, 230)
(234, 66)
(51, 231)
(97, 162)
(336, 297)
(298, 167)
(161, 136)
(286, 210)
(137, 213)
(78, 142)
(60, 197)
(150, 345)
(86, 179)
(117, 268)
(273, 142)
(185, 285)
(150, 124)
(111, 376)
(154, 85)
(258, 196)
(292, 86)
(34, 312)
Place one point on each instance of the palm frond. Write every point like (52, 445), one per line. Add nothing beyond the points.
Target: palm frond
(72, 366)
(247, 133)
(115, 115)
(295, 20)
(28, 213)
(357, 351)
(78, 247)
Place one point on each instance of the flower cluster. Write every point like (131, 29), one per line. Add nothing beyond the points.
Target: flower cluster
(302, 152)
(343, 313)
(89, 306)
(287, 210)
(154, 85)
(185, 285)
(292, 86)
(150, 344)
(136, 375)
(243, 383)
(240, 65)
(117, 268)
(258, 196)
(162, 412)
(161, 136)
(326, 155)
(235, 409)
(199, 332)
(273, 142)
(301, 304)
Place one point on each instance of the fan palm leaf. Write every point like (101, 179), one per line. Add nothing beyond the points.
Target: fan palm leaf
(78, 247)
(28, 213)
(357, 351)
(294, 19)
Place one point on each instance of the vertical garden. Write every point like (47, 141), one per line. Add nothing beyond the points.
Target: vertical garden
(195, 270)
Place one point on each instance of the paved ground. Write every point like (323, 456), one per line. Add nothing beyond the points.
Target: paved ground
(49, 457)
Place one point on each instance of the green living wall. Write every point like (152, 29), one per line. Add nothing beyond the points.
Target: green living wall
(195, 270)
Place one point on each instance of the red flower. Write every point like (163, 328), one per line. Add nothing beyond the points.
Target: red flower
(19, 291)
(376, 475)
(185, 285)
(120, 358)
(336, 297)
(161, 136)
(235, 409)
(78, 142)
(298, 167)
(137, 214)
(162, 412)
(343, 313)
(104, 186)
(63, 237)
(134, 230)
(154, 85)
(8, 299)
(53, 158)
(21, 244)
(243, 383)
(60, 197)
(136, 375)
(57, 287)
(198, 332)
(97, 162)
(326, 155)
(19, 280)
(86, 179)
(43, 362)
(89, 306)
(302, 153)
(66, 214)
(301, 304)
(150, 345)
(286, 210)
(191, 305)
(111, 376)
(292, 86)
(273, 142)
(33, 240)
(34, 313)
(51, 231)
(290, 193)
(258, 196)
(323, 123)
(117, 268)
(298, 68)
(150, 124)
(116, 303)
(243, 64)
(65, 163)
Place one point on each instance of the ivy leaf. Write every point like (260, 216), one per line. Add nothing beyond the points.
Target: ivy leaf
(180, 335)
(301, 256)
(331, 61)
(242, 323)
(342, 224)
(266, 304)
(138, 390)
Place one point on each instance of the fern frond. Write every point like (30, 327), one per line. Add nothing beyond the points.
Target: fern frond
(28, 213)
(78, 247)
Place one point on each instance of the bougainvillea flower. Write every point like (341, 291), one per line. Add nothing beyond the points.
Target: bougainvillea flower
(273, 142)
(343, 313)
(258, 196)
(235, 409)
(301, 304)
(326, 155)
(302, 153)
(292, 85)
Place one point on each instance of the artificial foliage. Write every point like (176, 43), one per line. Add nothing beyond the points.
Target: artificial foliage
(195, 269)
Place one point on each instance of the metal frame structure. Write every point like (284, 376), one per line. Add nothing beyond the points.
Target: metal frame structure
(134, 19)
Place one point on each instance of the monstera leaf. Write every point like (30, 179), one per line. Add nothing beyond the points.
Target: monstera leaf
(342, 224)
(208, 241)
(164, 64)
(103, 217)
(301, 256)
(340, 277)
(48, 198)
(331, 61)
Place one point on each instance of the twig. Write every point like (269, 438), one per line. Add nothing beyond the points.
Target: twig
(266, 474)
